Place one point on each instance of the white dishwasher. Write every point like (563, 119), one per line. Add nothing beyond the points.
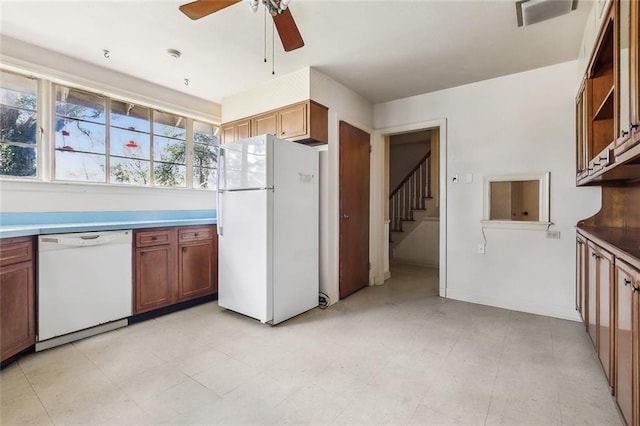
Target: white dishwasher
(84, 281)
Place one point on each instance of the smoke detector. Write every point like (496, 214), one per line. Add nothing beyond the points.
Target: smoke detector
(531, 12)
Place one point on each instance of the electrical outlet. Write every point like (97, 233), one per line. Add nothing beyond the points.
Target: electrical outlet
(481, 248)
(553, 234)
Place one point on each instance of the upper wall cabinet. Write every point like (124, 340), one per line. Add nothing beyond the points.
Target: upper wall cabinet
(305, 122)
(607, 103)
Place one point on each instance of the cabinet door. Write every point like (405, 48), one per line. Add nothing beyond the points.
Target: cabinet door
(227, 133)
(17, 308)
(293, 121)
(634, 88)
(626, 341)
(265, 124)
(242, 129)
(592, 292)
(623, 53)
(195, 269)
(605, 311)
(581, 132)
(155, 278)
(581, 281)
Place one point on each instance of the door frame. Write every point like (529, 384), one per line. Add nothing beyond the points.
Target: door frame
(380, 162)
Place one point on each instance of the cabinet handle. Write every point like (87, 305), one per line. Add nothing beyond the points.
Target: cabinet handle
(623, 133)
(184, 249)
(195, 235)
(142, 254)
(636, 289)
(595, 164)
(634, 127)
(154, 238)
(627, 282)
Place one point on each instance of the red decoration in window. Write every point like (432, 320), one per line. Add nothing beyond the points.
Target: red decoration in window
(66, 148)
(131, 144)
(65, 132)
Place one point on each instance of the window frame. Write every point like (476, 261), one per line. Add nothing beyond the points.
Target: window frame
(45, 145)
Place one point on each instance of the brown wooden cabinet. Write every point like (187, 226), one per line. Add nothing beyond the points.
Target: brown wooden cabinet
(581, 278)
(305, 122)
(608, 106)
(236, 130)
(197, 262)
(173, 265)
(154, 269)
(627, 346)
(17, 296)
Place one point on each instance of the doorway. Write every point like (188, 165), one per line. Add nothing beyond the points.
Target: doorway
(413, 198)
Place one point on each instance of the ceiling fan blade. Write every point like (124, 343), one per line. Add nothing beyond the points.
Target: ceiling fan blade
(201, 8)
(288, 31)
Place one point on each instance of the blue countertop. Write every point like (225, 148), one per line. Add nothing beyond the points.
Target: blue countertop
(20, 225)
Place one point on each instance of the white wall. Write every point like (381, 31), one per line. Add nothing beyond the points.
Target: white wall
(421, 246)
(514, 124)
(34, 196)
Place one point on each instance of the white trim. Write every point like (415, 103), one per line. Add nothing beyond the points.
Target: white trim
(544, 207)
(379, 139)
(516, 224)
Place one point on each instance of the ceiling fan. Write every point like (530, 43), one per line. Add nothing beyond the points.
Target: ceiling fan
(282, 18)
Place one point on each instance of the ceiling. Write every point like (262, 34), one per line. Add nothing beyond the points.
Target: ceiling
(383, 50)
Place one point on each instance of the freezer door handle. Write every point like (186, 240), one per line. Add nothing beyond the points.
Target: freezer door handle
(219, 212)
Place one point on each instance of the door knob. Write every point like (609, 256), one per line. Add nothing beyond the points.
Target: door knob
(345, 215)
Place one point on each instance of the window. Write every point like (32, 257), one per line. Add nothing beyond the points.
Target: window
(18, 125)
(205, 157)
(99, 139)
(80, 136)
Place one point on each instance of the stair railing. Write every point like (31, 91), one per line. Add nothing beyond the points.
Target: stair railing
(410, 194)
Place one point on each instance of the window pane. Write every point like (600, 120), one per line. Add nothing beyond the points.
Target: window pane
(169, 125)
(127, 143)
(130, 171)
(78, 104)
(204, 178)
(17, 160)
(81, 167)
(167, 174)
(18, 125)
(18, 91)
(169, 150)
(130, 116)
(74, 135)
(204, 155)
(205, 133)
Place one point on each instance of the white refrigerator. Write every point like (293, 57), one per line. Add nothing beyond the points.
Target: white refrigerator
(268, 209)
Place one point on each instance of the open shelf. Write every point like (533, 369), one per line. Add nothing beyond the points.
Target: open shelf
(605, 110)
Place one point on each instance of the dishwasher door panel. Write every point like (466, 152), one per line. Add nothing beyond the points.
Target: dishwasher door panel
(81, 286)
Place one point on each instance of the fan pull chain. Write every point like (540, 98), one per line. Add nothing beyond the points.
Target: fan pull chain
(265, 35)
(273, 49)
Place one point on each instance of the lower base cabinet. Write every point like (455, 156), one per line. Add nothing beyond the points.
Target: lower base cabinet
(17, 296)
(173, 265)
(627, 361)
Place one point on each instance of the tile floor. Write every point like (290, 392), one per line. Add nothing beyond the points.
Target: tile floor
(392, 354)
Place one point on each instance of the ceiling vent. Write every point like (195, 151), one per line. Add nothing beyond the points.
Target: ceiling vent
(533, 11)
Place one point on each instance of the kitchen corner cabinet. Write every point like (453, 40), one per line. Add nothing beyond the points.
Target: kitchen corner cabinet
(173, 265)
(17, 296)
(305, 122)
(627, 332)
(236, 130)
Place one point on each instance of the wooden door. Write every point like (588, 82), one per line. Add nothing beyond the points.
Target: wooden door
(354, 209)
(243, 130)
(227, 133)
(581, 282)
(592, 291)
(155, 277)
(293, 121)
(605, 313)
(195, 269)
(265, 124)
(17, 308)
(626, 338)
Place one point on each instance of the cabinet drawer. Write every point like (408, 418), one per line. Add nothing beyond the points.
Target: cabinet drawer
(15, 250)
(195, 234)
(155, 237)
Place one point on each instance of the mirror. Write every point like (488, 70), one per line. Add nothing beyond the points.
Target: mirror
(519, 199)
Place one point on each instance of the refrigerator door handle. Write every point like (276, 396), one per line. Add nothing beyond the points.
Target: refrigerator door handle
(219, 213)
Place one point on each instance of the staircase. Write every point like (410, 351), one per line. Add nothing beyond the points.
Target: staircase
(411, 201)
